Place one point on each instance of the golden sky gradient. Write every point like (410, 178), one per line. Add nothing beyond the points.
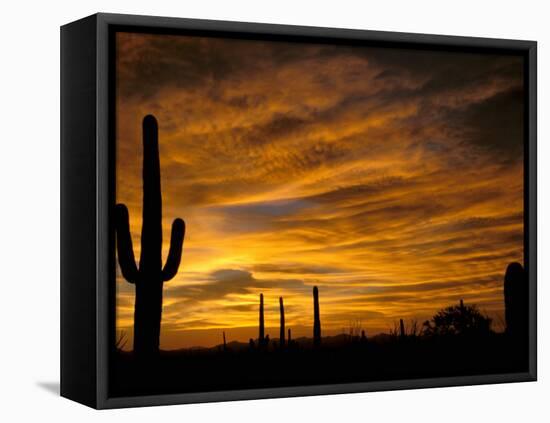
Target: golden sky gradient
(391, 179)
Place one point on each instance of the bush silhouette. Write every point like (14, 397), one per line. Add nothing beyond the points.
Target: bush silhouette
(458, 320)
(150, 275)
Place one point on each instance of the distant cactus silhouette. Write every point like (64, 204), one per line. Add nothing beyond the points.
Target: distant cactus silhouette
(261, 337)
(516, 300)
(462, 312)
(289, 340)
(363, 336)
(150, 275)
(224, 343)
(282, 328)
(402, 332)
(316, 318)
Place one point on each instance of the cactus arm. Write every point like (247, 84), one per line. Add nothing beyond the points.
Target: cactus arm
(174, 255)
(125, 249)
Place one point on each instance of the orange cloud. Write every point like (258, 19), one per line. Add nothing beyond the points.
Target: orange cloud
(392, 179)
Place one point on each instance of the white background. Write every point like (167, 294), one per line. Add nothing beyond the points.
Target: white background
(29, 210)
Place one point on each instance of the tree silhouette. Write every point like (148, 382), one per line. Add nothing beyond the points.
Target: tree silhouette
(150, 276)
(458, 320)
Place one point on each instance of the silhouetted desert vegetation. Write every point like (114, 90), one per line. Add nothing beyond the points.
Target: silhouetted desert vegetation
(458, 340)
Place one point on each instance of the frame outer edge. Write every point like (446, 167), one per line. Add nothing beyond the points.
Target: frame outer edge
(78, 221)
(104, 21)
(532, 199)
(103, 197)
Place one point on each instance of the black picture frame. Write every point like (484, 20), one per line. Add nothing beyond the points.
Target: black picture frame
(87, 198)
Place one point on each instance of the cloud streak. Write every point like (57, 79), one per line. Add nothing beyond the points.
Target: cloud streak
(392, 179)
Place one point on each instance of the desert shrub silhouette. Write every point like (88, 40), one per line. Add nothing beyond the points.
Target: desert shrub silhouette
(120, 341)
(150, 276)
(458, 320)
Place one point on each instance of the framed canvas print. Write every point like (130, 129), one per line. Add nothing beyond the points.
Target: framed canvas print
(256, 211)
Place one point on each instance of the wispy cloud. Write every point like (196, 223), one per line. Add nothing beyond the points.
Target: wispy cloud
(392, 179)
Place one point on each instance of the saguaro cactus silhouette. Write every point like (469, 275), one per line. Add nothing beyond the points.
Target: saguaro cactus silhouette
(402, 332)
(282, 325)
(316, 318)
(150, 276)
(261, 338)
(516, 300)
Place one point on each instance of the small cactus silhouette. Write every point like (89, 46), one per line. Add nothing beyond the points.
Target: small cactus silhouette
(151, 275)
(224, 342)
(316, 318)
(289, 340)
(402, 332)
(282, 328)
(261, 337)
(516, 300)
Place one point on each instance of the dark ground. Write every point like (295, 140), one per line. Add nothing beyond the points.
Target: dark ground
(339, 360)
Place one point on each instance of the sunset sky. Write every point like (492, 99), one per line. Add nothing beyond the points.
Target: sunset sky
(391, 179)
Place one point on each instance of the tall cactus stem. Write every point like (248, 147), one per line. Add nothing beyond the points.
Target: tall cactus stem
(316, 318)
(516, 301)
(261, 337)
(150, 276)
(282, 324)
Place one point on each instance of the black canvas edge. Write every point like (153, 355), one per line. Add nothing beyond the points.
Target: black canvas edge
(78, 308)
(103, 241)
(530, 200)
